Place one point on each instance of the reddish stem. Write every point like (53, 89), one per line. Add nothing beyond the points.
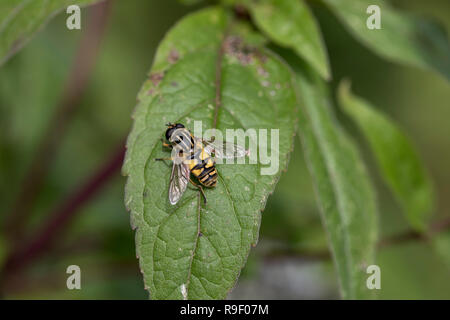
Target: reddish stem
(62, 216)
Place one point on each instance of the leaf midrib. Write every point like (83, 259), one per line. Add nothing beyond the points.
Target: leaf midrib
(218, 105)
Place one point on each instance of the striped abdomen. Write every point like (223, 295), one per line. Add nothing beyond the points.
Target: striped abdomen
(202, 166)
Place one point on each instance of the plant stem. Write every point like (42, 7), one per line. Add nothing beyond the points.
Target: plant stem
(61, 217)
(410, 235)
(405, 237)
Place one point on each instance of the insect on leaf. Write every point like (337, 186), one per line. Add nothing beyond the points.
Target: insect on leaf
(397, 159)
(191, 250)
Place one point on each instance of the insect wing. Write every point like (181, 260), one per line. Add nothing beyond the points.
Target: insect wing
(225, 150)
(178, 181)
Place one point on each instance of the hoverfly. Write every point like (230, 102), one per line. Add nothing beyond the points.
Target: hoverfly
(193, 155)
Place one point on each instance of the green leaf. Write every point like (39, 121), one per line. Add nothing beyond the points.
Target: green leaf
(21, 19)
(344, 191)
(289, 23)
(397, 159)
(402, 38)
(191, 250)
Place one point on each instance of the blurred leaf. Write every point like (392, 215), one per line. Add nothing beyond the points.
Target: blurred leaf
(21, 19)
(441, 243)
(344, 192)
(399, 163)
(290, 23)
(256, 89)
(402, 38)
(411, 270)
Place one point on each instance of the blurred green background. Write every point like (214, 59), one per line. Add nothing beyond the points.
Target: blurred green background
(283, 265)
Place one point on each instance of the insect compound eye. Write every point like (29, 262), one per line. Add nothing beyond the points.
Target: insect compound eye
(171, 129)
(169, 133)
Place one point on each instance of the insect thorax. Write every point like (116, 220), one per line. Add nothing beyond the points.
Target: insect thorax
(183, 140)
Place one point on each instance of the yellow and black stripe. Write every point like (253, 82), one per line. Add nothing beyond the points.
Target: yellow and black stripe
(201, 164)
(203, 167)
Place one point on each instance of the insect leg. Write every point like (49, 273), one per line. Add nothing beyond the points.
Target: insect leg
(199, 188)
(162, 159)
(167, 145)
